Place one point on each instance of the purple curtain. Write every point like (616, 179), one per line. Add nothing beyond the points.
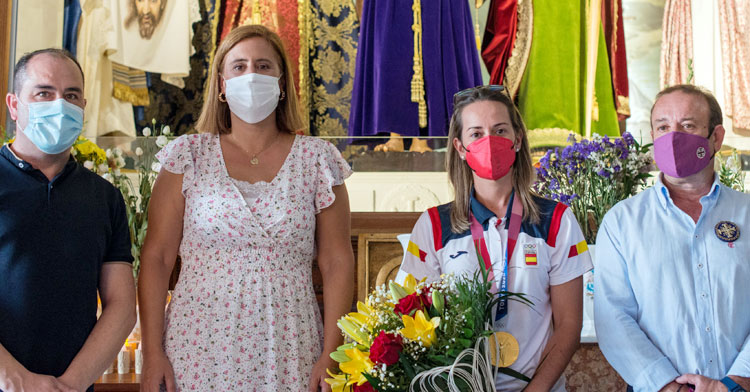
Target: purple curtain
(381, 97)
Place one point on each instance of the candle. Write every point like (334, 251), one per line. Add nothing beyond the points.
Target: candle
(138, 360)
(123, 361)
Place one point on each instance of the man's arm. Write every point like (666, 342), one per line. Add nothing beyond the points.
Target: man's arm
(567, 317)
(623, 343)
(15, 378)
(117, 292)
(740, 369)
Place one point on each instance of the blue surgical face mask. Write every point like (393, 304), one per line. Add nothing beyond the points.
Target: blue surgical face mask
(53, 126)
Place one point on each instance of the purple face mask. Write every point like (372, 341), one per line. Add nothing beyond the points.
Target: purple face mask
(680, 154)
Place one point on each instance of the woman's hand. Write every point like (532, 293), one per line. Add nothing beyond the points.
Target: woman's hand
(318, 375)
(157, 370)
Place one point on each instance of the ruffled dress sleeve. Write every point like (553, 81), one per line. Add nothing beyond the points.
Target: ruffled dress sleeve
(178, 157)
(332, 171)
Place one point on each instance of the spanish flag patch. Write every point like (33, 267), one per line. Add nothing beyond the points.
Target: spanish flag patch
(414, 249)
(529, 252)
(578, 248)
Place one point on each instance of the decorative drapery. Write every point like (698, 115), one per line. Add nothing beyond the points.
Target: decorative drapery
(551, 94)
(103, 115)
(181, 107)
(499, 37)
(328, 35)
(615, 37)
(381, 99)
(71, 19)
(676, 44)
(734, 17)
(280, 16)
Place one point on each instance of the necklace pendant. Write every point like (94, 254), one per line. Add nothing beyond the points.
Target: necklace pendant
(254, 160)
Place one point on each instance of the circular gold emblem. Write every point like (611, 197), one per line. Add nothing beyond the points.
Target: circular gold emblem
(727, 231)
(506, 345)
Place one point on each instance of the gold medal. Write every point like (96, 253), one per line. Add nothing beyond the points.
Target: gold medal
(508, 349)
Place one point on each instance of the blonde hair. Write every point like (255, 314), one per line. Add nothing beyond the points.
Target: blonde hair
(215, 116)
(460, 174)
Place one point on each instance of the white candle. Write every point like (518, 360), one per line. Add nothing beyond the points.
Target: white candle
(123, 362)
(138, 360)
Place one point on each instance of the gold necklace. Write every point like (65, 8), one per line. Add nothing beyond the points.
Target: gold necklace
(254, 157)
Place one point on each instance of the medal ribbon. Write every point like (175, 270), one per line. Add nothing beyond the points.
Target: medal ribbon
(514, 228)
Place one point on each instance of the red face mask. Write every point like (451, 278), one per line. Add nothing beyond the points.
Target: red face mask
(491, 156)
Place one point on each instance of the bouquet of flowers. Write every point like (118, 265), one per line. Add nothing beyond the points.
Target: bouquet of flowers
(425, 336)
(593, 175)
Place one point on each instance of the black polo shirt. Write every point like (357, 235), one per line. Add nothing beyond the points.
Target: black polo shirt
(54, 237)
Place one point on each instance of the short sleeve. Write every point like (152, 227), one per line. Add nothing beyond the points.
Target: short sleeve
(332, 170)
(570, 257)
(119, 247)
(177, 157)
(420, 258)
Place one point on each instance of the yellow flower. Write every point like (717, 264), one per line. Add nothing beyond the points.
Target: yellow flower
(352, 329)
(363, 315)
(419, 328)
(338, 382)
(89, 149)
(359, 364)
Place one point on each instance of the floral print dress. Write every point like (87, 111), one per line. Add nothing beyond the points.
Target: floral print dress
(243, 316)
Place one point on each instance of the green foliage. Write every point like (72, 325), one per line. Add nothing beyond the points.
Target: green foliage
(730, 172)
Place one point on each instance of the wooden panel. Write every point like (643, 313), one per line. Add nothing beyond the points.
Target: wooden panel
(375, 252)
(6, 11)
(118, 383)
(383, 222)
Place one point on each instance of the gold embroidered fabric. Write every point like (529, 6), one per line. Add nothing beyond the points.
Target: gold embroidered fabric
(129, 85)
(520, 55)
(329, 32)
(734, 19)
(676, 44)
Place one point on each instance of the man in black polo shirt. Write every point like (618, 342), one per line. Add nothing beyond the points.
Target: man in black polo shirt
(63, 238)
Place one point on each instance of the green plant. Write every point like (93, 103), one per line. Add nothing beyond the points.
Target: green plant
(137, 192)
(730, 172)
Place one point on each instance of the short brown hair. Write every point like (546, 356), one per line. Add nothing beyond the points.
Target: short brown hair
(714, 110)
(215, 116)
(19, 72)
(460, 174)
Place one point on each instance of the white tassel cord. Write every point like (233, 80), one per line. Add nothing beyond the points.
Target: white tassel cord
(479, 373)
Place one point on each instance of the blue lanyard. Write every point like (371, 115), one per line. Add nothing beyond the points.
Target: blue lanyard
(514, 228)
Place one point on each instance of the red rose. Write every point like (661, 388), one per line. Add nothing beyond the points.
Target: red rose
(426, 296)
(408, 304)
(385, 348)
(366, 387)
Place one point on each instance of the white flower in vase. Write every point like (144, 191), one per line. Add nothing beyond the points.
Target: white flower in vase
(161, 141)
(147, 131)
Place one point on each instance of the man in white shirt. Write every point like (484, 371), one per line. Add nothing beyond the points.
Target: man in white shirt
(671, 305)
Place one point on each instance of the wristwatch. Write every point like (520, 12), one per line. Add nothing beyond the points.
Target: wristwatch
(731, 385)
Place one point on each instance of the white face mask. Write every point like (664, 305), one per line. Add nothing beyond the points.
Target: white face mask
(252, 97)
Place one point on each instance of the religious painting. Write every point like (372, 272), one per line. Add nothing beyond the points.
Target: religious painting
(148, 13)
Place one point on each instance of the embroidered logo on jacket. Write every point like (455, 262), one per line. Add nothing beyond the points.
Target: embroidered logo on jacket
(529, 251)
(460, 252)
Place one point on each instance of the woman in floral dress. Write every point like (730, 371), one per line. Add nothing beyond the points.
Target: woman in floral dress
(247, 204)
